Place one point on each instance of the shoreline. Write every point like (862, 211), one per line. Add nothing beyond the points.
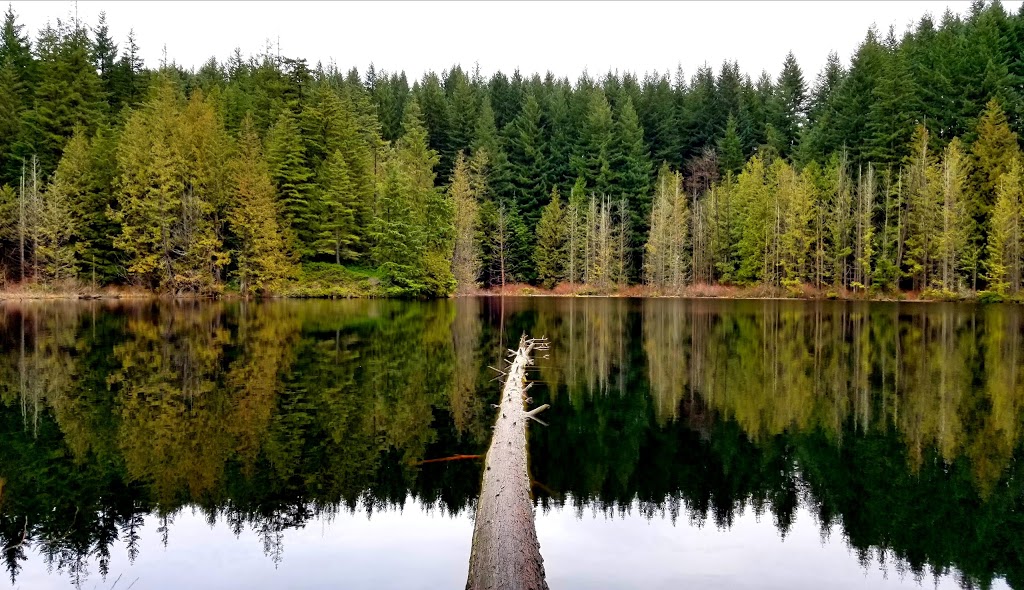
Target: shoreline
(721, 292)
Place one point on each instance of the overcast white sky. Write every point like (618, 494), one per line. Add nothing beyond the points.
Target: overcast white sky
(563, 37)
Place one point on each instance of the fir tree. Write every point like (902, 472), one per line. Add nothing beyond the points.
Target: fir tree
(549, 255)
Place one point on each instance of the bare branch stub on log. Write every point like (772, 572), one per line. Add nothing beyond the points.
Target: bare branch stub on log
(506, 553)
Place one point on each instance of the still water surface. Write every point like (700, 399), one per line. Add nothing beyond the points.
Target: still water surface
(706, 444)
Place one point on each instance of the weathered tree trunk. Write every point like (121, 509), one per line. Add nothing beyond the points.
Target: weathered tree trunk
(506, 553)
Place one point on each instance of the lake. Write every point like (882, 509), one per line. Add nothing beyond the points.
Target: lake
(690, 443)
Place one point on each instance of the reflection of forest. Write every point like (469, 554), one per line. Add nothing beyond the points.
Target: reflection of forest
(897, 424)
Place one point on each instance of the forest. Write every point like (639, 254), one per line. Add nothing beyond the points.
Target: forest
(266, 175)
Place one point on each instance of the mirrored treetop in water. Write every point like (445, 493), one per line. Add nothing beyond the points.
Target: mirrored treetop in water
(897, 425)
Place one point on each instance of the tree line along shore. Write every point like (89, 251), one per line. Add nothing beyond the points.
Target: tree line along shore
(896, 175)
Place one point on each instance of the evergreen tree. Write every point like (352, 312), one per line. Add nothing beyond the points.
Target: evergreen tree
(953, 239)
(730, 150)
(413, 233)
(526, 165)
(253, 217)
(666, 263)
(593, 160)
(83, 183)
(924, 211)
(169, 190)
(104, 58)
(58, 226)
(631, 161)
(794, 223)
(337, 234)
(840, 220)
(291, 177)
(463, 115)
(864, 228)
(549, 255)
(992, 154)
(11, 122)
(576, 230)
(127, 81)
(790, 104)
(462, 191)
(1005, 262)
(69, 93)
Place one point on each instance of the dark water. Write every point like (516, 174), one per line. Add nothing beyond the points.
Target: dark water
(698, 444)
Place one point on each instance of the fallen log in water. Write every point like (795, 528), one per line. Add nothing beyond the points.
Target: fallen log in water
(506, 553)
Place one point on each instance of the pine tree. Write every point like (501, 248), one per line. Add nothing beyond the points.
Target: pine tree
(463, 114)
(11, 122)
(549, 255)
(79, 196)
(127, 79)
(863, 241)
(436, 115)
(756, 250)
(889, 265)
(253, 217)
(331, 123)
(796, 213)
(104, 58)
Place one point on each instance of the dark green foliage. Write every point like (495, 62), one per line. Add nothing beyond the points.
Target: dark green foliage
(69, 93)
(540, 132)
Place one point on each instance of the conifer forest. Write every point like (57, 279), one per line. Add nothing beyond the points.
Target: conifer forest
(899, 171)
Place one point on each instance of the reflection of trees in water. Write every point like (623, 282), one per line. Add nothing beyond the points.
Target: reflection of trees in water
(893, 421)
(264, 415)
(899, 424)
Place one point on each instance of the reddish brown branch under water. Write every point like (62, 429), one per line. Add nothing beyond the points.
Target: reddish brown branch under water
(452, 458)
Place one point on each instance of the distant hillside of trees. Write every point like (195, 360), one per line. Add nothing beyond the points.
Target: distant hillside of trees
(900, 170)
